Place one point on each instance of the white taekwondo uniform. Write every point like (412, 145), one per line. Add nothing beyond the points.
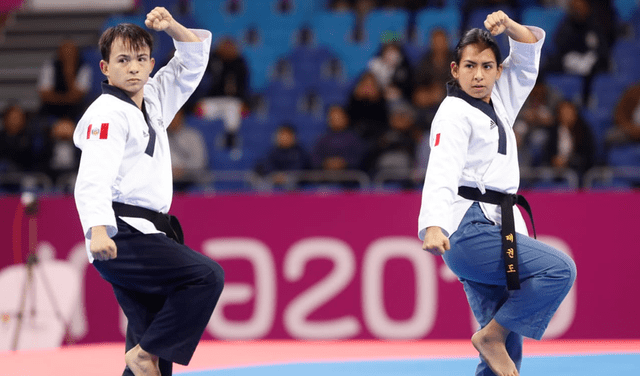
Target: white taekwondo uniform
(473, 144)
(119, 161)
(464, 145)
(167, 290)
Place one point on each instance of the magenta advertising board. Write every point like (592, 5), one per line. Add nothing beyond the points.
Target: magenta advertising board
(344, 266)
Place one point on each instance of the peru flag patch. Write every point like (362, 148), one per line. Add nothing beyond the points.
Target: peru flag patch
(437, 140)
(98, 132)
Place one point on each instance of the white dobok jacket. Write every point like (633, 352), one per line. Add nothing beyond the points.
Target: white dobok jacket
(125, 151)
(473, 143)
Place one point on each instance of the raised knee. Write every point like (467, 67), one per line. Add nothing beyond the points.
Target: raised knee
(566, 271)
(216, 278)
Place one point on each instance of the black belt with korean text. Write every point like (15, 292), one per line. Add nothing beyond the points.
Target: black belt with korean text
(508, 231)
(166, 223)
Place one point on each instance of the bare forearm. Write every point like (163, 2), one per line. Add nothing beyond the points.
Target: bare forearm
(499, 22)
(520, 33)
(181, 33)
(159, 19)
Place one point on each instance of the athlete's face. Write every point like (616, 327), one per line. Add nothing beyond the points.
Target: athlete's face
(477, 72)
(127, 69)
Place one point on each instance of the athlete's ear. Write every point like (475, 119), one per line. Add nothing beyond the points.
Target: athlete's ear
(104, 67)
(454, 70)
(153, 63)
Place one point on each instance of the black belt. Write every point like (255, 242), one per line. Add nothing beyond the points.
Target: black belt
(508, 231)
(166, 223)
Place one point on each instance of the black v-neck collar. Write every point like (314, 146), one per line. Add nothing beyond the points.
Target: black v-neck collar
(454, 90)
(120, 94)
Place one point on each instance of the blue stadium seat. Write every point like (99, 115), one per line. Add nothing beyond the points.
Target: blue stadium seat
(381, 26)
(267, 15)
(260, 59)
(606, 90)
(283, 99)
(570, 86)
(624, 9)
(599, 123)
(355, 57)
(545, 18)
(625, 56)
(214, 16)
(307, 63)
(210, 129)
(121, 18)
(170, 5)
(92, 57)
(624, 156)
(334, 92)
(333, 29)
(278, 27)
(429, 19)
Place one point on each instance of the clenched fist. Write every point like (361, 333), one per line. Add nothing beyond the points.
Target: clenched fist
(159, 19)
(497, 22)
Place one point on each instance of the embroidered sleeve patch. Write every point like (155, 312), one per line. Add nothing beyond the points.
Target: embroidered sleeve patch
(95, 132)
(437, 140)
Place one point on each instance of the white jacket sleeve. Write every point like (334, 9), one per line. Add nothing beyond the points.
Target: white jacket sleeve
(449, 143)
(99, 166)
(174, 83)
(519, 73)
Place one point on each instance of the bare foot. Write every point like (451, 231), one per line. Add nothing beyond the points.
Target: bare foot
(490, 343)
(142, 363)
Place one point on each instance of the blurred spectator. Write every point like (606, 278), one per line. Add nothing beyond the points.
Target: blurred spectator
(392, 71)
(285, 155)
(340, 5)
(367, 108)
(64, 83)
(434, 68)
(363, 7)
(572, 144)
(225, 88)
(17, 149)
(627, 118)
(426, 100)
(582, 44)
(534, 124)
(188, 152)
(395, 150)
(340, 148)
(61, 157)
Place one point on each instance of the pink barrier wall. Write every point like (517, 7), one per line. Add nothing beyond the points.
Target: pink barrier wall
(339, 266)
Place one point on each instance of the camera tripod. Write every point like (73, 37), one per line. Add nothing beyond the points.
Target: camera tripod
(29, 286)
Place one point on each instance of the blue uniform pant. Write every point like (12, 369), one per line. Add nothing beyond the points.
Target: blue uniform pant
(167, 291)
(546, 276)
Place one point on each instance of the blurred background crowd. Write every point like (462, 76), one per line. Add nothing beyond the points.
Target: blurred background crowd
(339, 95)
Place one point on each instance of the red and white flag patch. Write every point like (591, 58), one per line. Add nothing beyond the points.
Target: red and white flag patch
(95, 132)
(437, 140)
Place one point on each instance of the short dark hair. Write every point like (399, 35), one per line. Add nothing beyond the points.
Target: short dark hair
(132, 35)
(478, 36)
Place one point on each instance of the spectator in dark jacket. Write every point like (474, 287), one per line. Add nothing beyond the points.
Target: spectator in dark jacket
(225, 87)
(17, 149)
(340, 148)
(367, 108)
(285, 155)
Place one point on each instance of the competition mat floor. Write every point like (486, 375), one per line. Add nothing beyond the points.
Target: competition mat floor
(337, 358)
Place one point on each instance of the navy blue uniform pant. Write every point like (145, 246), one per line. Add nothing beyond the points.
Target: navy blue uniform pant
(167, 291)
